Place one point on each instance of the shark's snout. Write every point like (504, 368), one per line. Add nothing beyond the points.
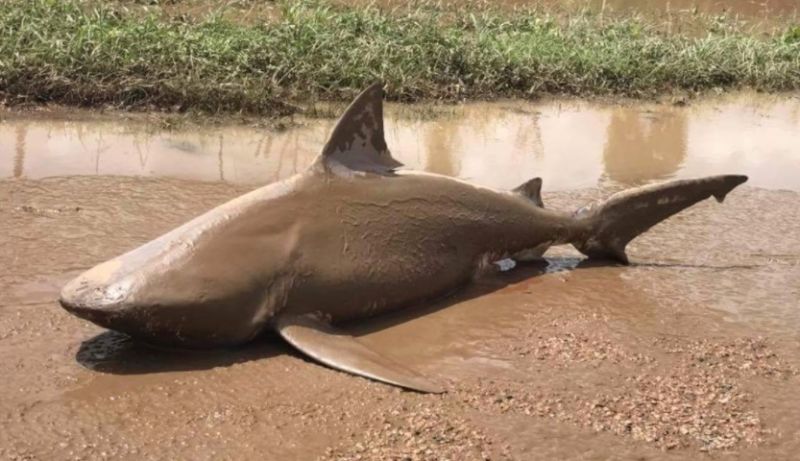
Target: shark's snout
(94, 299)
(167, 311)
(83, 306)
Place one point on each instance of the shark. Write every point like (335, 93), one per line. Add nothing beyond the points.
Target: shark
(352, 236)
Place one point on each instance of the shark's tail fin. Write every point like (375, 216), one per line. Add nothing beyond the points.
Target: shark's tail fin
(610, 225)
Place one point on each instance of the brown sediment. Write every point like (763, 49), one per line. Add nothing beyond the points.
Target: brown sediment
(692, 347)
(588, 352)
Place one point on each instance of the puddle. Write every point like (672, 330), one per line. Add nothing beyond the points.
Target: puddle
(570, 144)
(671, 328)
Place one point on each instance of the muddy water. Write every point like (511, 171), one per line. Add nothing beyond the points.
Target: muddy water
(690, 352)
(570, 144)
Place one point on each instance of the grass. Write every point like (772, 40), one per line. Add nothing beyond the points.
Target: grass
(95, 54)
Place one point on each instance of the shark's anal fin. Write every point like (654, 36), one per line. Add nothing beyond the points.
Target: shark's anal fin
(324, 343)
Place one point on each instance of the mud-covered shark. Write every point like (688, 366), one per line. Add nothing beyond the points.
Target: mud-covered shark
(348, 238)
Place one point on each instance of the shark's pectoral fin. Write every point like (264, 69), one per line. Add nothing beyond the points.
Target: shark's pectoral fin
(324, 343)
(357, 143)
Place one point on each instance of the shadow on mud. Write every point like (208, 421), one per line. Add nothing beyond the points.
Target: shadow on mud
(117, 353)
(494, 282)
(481, 287)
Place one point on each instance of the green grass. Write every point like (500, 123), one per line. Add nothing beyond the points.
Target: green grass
(88, 54)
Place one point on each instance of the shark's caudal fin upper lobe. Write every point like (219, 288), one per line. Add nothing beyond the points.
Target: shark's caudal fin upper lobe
(610, 225)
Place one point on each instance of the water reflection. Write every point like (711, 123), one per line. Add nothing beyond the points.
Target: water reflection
(572, 145)
(644, 146)
(19, 152)
(440, 156)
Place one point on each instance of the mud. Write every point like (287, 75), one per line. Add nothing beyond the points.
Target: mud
(690, 352)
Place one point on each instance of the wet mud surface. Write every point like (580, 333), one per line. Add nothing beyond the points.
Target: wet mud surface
(690, 352)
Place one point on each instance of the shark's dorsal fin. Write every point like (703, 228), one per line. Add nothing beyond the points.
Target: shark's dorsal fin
(322, 342)
(357, 142)
(531, 189)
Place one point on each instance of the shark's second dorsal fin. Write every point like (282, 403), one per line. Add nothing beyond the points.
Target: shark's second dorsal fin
(531, 189)
(357, 142)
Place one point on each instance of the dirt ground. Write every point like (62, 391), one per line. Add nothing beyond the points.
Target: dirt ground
(690, 352)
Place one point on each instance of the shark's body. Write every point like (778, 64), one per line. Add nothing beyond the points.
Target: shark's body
(348, 238)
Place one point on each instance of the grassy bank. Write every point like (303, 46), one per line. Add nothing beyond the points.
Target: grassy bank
(89, 54)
